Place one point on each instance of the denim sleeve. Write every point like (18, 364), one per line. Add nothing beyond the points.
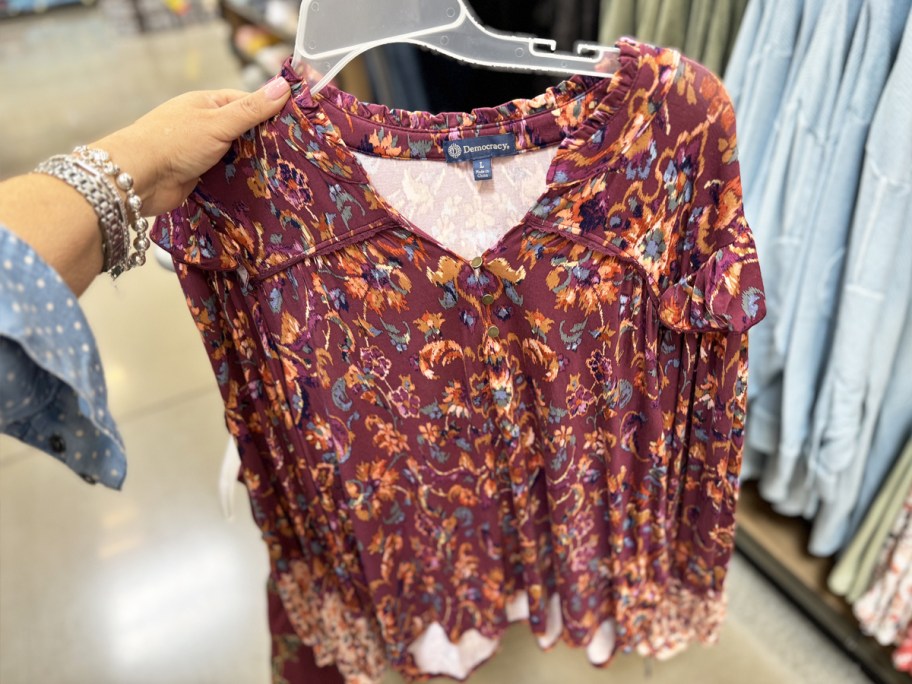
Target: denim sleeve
(52, 388)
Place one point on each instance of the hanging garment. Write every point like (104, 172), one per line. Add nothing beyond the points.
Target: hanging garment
(461, 403)
(740, 62)
(874, 447)
(698, 31)
(851, 576)
(617, 18)
(292, 661)
(671, 23)
(788, 181)
(715, 41)
(757, 77)
(711, 31)
(704, 29)
(639, 18)
(804, 328)
(894, 428)
(885, 610)
(876, 287)
(807, 251)
(647, 17)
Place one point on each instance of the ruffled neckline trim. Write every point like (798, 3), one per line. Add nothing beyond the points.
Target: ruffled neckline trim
(572, 114)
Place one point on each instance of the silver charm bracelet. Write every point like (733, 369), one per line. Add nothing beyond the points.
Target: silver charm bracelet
(87, 171)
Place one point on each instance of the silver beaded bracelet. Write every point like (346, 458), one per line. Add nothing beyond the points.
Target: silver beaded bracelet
(103, 200)
(87, 171)
(118, 243)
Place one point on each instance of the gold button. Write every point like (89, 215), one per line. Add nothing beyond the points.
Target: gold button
(476, 262)
(487, 299)
(493, 331)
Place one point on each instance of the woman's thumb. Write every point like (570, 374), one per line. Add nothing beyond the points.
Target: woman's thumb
(254, 108)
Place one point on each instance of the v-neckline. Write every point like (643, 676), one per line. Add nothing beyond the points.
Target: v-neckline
(615, 87)
(396, 218)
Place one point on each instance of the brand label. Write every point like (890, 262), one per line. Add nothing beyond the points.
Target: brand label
(482, 147)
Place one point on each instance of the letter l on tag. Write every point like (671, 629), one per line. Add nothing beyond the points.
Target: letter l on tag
(482, 169)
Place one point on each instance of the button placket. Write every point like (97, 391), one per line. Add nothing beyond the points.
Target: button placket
(499, 373)
(491, 331)
(487, 299)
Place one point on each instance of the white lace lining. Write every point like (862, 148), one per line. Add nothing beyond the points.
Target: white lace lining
(435, 654)
(446, 202)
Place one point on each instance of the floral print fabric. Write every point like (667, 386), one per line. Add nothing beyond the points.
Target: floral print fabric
(550, 431)
(902, 656)
(885, 609)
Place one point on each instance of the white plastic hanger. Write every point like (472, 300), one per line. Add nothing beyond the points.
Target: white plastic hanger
(332, 32)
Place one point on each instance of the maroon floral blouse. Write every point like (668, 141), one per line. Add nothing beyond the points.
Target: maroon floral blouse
(435, 445)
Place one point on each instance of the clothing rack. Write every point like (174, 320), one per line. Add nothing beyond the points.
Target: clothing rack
(776, 546)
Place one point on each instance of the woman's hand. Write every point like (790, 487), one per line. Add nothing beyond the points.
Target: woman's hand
(165, 151)
(169, 148)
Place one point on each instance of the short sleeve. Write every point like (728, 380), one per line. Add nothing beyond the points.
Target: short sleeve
(713, 282)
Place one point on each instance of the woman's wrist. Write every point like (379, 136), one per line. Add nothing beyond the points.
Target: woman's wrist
(57, 222)
(98, 173)
(139, 160)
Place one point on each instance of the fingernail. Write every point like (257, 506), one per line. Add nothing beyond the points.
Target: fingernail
(276, 88)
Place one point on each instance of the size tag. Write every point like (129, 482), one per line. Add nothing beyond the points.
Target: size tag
(482, 169)
(484, 146)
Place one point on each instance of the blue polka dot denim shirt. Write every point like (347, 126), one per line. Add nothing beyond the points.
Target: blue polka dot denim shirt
(52, 388)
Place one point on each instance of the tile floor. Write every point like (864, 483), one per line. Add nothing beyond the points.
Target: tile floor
(153, 585)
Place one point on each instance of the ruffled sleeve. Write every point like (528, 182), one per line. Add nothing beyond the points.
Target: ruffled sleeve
(724, 292)
(194, 233)
(714, 281)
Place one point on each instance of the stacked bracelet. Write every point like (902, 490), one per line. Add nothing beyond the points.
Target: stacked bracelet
(88, 170)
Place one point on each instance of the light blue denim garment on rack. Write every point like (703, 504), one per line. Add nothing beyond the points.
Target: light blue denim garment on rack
(804, 328)
(52, 389)
(741, 61)
(769, 50)
(875, 293)
(766, 57)
(894, 429)
(781, 215)
(756, 76)
(881, 433)
(856, 486)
